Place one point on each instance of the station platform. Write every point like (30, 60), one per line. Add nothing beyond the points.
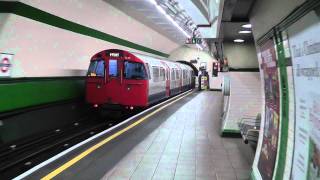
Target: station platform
(178, 140)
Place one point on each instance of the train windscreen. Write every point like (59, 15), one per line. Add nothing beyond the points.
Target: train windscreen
(96, 68)
(134, 70)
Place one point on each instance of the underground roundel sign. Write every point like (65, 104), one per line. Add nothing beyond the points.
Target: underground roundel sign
(5, 64)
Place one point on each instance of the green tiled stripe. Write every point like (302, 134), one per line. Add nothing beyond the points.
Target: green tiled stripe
(284, 108)
(230, 131)
(22, 93)
(252, 176)
(30, 12)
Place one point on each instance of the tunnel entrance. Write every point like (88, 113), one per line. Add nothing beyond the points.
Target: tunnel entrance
(196, 71)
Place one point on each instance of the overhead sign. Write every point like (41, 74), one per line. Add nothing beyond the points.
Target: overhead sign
(5, 64)
(194, 41)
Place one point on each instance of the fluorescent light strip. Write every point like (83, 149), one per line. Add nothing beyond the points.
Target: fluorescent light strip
(248, 26)
(238, 40)
(244, 32)
(169, 18)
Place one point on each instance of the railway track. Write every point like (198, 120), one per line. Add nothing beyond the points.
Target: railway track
(18, 157)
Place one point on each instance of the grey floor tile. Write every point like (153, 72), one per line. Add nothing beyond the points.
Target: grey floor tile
(182, 177)
(185, 171)
(116, 177)
(162, 177)
(188, 146)
(205, 171)
(226, 176)
(211, 177)
(243, 174)
(222, 164)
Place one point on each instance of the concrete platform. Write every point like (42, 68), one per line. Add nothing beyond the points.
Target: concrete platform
(181, 141)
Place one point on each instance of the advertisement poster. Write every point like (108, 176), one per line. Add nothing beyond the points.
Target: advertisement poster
(5, 64)
(268, 152)
(304, 40)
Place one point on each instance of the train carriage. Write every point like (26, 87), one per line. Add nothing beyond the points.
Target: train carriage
(118, 78)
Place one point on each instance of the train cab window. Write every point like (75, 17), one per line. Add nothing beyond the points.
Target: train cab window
(155, 73)
(113, 68)
(134, 70)
(96, 68)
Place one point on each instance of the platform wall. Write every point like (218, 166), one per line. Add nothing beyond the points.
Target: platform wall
(188, 54)
(245, 95)
(61, 42)
(240, 55)
(288, 53)
(56, 39)
(268, 13)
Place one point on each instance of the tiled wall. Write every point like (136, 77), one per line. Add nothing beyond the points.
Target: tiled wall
(42, 50)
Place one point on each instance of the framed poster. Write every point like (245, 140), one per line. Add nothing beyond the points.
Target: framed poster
(268, 154)
(304, 43)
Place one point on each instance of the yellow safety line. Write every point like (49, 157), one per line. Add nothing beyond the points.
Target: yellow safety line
(101, 143)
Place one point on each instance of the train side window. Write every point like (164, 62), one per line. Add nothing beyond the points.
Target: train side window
(162, 74)
(172, 75)
(177, 74)
(113, 68)
(134, 70)
(155, 73)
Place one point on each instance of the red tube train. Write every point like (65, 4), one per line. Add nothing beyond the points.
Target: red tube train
(131, 80)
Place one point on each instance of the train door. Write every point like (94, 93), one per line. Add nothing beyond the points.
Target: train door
(95, 81)
(104, 80)
(167, 76)
(135, 89)
(179, 70)
(113, 80)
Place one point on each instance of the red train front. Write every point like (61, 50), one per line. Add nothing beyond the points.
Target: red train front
(117, 78)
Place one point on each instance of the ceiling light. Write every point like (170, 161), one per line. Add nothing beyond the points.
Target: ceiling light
(238, 40)
(169, 18)
(247, 26)
(153, 2)
(245, 32)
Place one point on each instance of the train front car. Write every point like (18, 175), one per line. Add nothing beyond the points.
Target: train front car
(117, 79)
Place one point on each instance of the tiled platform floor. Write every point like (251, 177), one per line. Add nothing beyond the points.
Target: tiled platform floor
(187, 145)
